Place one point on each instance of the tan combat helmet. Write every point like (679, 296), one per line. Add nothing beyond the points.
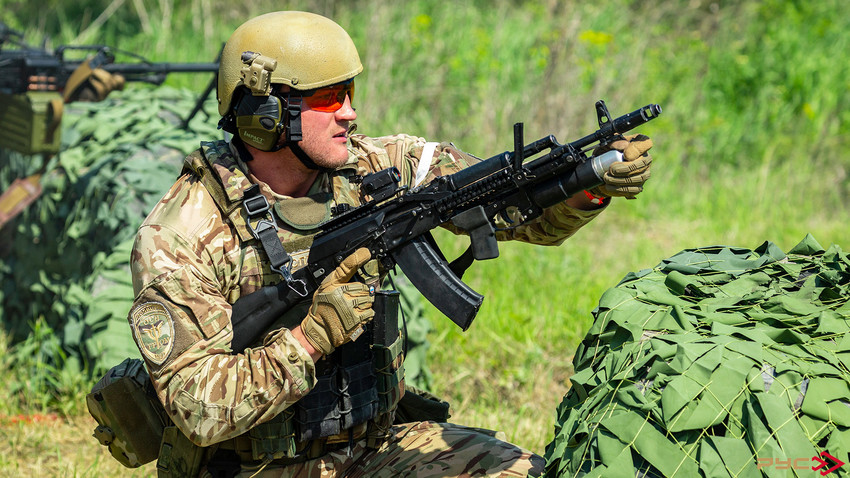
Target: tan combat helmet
(298, 49)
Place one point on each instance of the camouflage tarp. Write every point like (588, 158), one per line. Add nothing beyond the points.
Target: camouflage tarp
(718, 362)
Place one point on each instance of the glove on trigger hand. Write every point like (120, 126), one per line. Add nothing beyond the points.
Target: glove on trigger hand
(626, 178)
(340, 308)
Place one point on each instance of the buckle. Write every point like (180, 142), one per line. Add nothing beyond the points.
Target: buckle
(256, 205)
(297, 285)
(262, 226)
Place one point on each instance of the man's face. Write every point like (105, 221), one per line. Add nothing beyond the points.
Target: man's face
(325, 134)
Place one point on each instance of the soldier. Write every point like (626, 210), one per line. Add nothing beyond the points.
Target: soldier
(310, 399)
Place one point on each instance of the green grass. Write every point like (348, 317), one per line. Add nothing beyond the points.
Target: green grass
(752, 144)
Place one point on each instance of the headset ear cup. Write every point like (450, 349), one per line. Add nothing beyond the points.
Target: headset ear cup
(260, 120)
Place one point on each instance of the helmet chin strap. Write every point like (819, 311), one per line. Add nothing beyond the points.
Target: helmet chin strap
(293, 134)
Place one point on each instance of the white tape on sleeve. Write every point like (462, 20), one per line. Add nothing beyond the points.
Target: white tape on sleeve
(424, 163)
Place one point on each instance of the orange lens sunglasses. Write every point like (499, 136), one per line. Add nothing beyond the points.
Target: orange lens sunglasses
(331, 98)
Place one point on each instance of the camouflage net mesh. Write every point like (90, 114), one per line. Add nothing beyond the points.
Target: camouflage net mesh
(718, 362)
(64, 273)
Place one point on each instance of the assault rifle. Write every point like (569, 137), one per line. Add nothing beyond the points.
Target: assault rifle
(395, 223)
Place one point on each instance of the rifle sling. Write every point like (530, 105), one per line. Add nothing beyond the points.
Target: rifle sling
(462, 262)
(257, 207)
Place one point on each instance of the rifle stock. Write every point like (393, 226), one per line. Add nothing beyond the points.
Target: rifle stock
(252, 314)
(397, 227)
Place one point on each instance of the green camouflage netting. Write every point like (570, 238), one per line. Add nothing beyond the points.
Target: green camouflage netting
(64, 269)
(719, 362)
(66, 257)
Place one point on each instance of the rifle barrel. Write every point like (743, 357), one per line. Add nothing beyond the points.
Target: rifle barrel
(619, 125)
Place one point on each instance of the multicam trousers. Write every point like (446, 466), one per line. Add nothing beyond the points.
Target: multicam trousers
(420, 449)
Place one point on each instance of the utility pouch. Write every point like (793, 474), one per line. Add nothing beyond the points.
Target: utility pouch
(418, 406)
(387, 350)
(388, 362)
(178, 456)
(343, 397)
(31, 122)
(317, 414)
(274, 439)
(129, 415)
(389, 368)
(359, 400)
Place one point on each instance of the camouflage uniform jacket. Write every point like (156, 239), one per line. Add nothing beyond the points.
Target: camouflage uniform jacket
(189, 264)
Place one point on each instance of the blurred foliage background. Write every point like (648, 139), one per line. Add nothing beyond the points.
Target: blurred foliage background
(752, 144)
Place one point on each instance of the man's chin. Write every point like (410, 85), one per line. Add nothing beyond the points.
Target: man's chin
(332, 163)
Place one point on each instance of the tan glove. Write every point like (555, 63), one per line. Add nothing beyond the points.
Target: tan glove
(87, 84)
(626, 178)
(340, 308)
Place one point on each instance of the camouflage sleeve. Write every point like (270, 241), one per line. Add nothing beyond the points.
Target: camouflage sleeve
(406, 153)
(181, 323)
(420, 161)
(557, 223)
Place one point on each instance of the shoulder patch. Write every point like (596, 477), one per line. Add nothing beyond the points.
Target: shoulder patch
(153, 329)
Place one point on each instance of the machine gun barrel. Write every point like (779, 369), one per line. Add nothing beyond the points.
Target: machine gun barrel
(129, 70)
(33, 69)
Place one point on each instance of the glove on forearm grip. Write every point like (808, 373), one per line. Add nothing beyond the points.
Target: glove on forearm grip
(627, 178)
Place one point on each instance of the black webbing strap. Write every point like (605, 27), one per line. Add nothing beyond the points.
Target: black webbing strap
(462, 262)
(257, 206)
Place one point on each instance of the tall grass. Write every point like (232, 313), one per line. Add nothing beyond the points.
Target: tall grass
(32, 385)
(752, 144)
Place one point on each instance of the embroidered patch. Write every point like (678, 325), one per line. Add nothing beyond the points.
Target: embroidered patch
(299, 258)
(153, 329)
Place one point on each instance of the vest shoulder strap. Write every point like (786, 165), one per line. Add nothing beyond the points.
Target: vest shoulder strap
(202, 163)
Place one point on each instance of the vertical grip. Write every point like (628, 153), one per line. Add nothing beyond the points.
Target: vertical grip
(430, 273)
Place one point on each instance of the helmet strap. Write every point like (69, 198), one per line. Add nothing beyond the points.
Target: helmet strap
(293, 133)
(292, 119)
(228, 123)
